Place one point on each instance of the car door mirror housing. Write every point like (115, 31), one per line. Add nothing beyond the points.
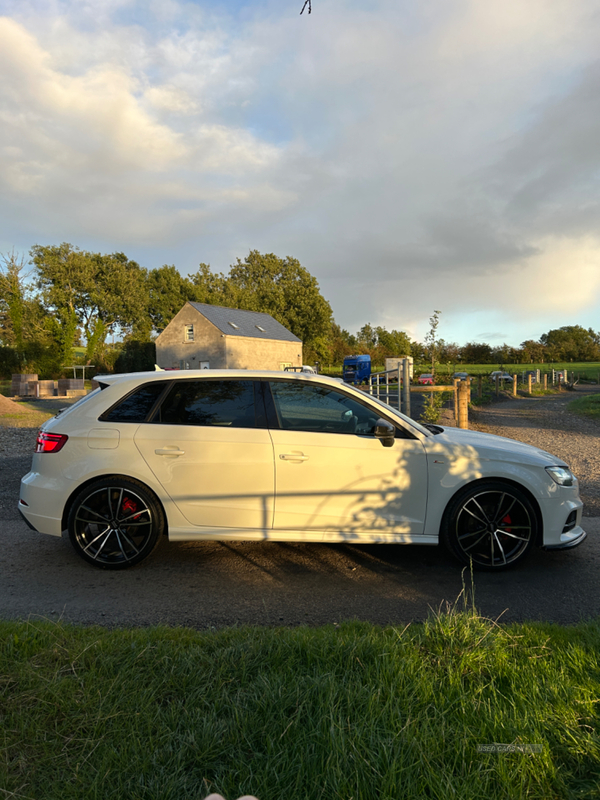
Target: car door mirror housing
(385, 432)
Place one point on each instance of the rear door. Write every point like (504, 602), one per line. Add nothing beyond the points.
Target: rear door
(209, 447)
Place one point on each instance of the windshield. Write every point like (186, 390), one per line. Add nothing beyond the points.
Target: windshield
(402, 416)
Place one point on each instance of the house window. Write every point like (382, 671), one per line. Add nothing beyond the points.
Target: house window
(188, 335)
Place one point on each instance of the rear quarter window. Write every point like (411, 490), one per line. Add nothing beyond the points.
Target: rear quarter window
(137, 405)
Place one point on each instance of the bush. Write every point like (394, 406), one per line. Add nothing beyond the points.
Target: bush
(35, 357)
(433, 406)
(136, 357)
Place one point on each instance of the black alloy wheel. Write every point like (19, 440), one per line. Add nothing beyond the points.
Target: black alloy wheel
(115, 523)
(492, 524)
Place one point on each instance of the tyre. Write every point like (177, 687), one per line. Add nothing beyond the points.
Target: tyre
(115, 523)
(492, 524)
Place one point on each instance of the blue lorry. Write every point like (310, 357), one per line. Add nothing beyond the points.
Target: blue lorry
(357, 369)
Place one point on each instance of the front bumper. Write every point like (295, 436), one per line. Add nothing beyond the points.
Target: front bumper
(567, 540)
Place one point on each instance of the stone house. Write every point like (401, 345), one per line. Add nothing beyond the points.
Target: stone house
(202, 336)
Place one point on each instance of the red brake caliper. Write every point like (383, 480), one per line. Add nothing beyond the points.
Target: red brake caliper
(130, 506)
(507, 521)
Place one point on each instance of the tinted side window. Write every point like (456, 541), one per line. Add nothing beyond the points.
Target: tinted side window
(204, 402)
(137, 405)
(318, 408)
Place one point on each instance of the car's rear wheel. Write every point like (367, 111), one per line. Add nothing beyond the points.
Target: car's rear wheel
(115, 523)
(493, 525)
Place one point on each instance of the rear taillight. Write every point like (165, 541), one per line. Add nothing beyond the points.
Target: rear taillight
(50, 442)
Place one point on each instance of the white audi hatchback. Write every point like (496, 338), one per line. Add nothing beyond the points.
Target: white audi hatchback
(233, 454)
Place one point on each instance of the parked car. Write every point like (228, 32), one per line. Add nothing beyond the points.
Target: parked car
(461, 376)
(233, 454)
(426, 379)
(503, 376)
(303, 368)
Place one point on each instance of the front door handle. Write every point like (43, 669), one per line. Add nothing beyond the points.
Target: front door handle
(293, 457)
(169, 451)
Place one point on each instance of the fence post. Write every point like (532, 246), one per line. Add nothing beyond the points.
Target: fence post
(480, 386)
(456, 381)
(406, 382)
(464, 391)
(514, 385)
(545, 381)
(529, 383)
(497, 379)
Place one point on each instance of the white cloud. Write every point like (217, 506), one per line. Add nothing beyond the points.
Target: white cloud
(413, 156)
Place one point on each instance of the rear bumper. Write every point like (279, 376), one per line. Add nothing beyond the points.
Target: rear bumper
(26, 521)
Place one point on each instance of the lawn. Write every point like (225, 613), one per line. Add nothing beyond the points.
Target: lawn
(457, 707)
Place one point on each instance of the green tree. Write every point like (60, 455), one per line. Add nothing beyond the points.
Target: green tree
(431, 342)
(284, 289)
(532, 352)
(340, 344)
(418, 351)
(392, 343)
(168, 292)
(572, 343)
(99, 292)
(476, 353)
(367, 338)
(213, 288)
(23, 318)
(12, 300)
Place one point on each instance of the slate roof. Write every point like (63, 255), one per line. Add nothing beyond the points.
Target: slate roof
(249, 323)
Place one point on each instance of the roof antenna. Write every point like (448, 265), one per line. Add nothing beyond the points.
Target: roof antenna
(306, 3)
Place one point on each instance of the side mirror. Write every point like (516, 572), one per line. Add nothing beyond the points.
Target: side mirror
(385, 432)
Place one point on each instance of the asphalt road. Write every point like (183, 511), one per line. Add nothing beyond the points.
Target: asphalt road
(213, 584)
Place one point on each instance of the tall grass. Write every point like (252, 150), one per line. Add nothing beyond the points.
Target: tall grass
(349, 711)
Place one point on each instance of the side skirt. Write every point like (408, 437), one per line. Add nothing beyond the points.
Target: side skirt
(249, 534)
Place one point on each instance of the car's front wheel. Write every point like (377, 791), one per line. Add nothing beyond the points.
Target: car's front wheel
(491, 524)
(115, 523)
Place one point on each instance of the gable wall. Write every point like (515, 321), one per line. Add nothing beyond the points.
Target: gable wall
(208, 344)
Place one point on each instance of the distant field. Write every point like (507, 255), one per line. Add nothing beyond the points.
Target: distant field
(589, 371)
(583, 370)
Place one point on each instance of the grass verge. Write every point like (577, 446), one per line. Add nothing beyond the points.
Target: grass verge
(586, 406)
(349, 711)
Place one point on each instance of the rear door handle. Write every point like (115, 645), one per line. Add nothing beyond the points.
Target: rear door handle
(169, 451)
(293, 457)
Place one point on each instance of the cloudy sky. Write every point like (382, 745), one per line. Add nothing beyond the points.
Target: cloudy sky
(441, 154)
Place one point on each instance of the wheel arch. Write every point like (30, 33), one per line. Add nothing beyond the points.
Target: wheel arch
(110, 476)
(502, 479)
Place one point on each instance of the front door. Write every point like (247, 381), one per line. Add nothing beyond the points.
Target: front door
(333, 476)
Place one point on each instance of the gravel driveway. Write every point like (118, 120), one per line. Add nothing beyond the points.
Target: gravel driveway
(212, 584)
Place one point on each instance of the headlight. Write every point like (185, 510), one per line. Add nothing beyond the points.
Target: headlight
(561, 475)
